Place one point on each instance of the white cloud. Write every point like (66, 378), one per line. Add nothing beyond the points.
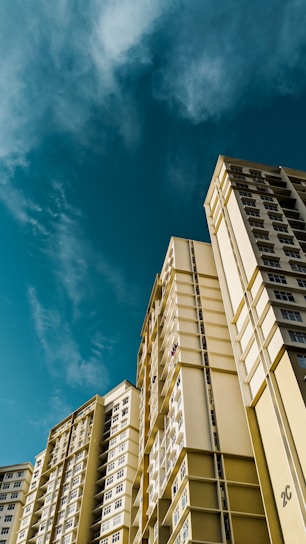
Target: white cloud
(63, 354)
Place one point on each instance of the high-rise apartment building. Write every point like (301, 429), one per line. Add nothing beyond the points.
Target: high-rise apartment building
(81, 486)
(257, 220)
(196, 479)
(14, 484)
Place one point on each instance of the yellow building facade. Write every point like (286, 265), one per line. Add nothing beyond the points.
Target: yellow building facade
(256, 216)
(196, 479)
(14, 485)
(81, 485)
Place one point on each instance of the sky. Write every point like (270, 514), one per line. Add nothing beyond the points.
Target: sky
(112, 116)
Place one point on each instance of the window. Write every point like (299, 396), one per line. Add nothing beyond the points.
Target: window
(175, 516)
(115, 418)
(242, 186)
(284, 295)
(278, 228)
(183, 470)
(113, 442)
(2, 496)
(78, 467)
(111, 466)
(8, 518)
(298, 336)
(272, 207)
(9, 475)
(291, 314)
(5, 530)
(245, 193)
(119, 488)
(107, 510)
(253, 213)
(118, 504)
(116, 408)
(17, 484)
(291, 253)
(74, 494)
(271, 262)
(1, 507)
(125, 401)
(184, 498)
(125, 411)
(116, 537)
(121, 460)
(266, 198)
(287, 241)
(122, 446)
(250, 203)
(301, 283)
(298, 267)
(11, 507)
(109, 480)
(174, 488)
(69, 524)
(277, 278)
(117, 520)
(275, 217)
(301, 360)
(261, 235)
(265, 249)
(257, 224)
(15, 495)
(123, 435)
(76, 481)
(104, 540)
(185, 530)
(120, 474)
(5, 486)
(108, 495)
(67, 539)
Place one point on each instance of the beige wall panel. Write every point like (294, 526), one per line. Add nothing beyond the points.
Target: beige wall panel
(257, 379)
(250, 530)
(256, 284)
(185, 300)
(246, 337)
(242, 237)
(224, 362)
(251, 356)
(188, 327)
(203, 494)
(268, 322)
(240, 470)
(210, 304)
(204, 259)
(289, 512)
(187, 313)
(181, 254)
(231, 424)
(261, 303)
(242, 317)
(205, 527)
(195, 414)
(215, 318)
(216, 345)
(189, 341)
(294, 406)
(229, 267)
(245, 499)
(185, 289)
(275, 344)
(191, 357)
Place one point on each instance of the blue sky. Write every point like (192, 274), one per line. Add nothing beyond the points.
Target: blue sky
(112, 115)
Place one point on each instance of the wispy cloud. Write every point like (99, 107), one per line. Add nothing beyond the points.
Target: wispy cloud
(54, 410)
(63, 354)
(61, 65)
